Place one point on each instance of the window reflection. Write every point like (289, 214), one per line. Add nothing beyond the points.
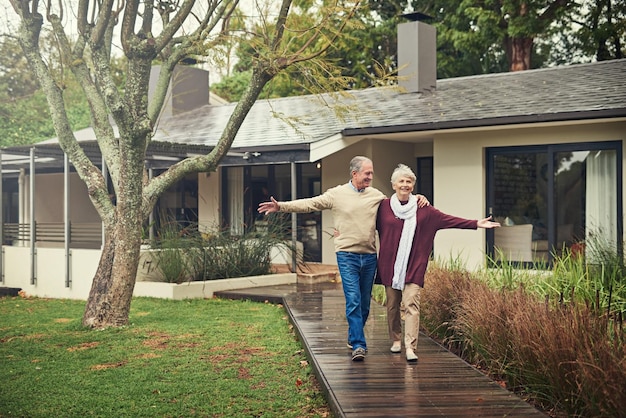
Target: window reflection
(550, 199)
(246, 187)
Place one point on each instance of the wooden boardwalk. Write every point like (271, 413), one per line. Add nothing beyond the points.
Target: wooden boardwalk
(440, 384)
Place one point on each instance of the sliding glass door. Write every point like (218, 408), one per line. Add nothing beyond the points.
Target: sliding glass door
(554, 198)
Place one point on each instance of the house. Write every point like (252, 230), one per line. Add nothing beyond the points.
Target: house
(541, 150)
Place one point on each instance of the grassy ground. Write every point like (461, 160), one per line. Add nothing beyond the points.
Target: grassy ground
(205, 358)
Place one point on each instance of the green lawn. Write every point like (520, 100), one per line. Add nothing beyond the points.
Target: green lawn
(205, 358)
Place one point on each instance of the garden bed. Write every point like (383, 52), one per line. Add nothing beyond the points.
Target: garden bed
(308, 273)
(205, 289)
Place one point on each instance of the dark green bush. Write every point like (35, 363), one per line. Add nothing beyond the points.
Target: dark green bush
(187, 254)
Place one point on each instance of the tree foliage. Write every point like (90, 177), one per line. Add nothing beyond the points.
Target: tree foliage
(362, 57)
(24, 114)
(304, 77)
(594, 30)
(497, 35)
(473, 37)
(122, 117)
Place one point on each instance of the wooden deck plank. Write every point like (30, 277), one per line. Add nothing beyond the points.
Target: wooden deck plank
(440, 384)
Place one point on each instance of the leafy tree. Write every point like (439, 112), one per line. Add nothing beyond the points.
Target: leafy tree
(308, 77)
(24, 115)
(24, 120)
(148, 31)
(496, 35)
(16, 77)
(362, 57)
(473, 37)
(595, 29)
(232, 87)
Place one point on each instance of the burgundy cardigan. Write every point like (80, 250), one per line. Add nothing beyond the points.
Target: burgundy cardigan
(429, 221)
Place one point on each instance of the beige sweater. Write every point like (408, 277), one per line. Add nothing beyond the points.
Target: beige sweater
(354, 215)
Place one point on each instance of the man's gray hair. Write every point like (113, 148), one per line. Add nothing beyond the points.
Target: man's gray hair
(402, 171)
(357, 163)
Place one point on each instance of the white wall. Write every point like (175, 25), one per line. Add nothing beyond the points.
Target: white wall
(50, 271)
(50, 274)
(459, 188)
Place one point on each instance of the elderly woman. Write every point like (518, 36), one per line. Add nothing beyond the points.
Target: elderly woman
(406, 235)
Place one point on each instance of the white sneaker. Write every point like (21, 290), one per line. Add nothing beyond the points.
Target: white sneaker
(396, 347)
(410, 355)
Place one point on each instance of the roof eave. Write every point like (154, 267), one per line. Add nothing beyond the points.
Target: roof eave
(488, 122)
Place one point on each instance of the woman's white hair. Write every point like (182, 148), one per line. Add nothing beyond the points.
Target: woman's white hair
(402, 171)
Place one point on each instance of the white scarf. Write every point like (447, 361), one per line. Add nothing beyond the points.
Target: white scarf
(408, 213)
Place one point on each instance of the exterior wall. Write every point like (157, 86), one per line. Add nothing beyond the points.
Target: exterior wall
(460, 177)
(50, 272)
(424, 149)
(386, 157)
(459, 187)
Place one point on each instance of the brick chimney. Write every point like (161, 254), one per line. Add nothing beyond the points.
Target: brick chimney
(188, 90)
(417, 54)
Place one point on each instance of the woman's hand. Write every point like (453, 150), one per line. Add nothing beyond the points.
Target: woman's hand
(486, 223)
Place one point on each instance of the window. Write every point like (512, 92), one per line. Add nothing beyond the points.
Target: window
(553, 198)
(10, 200)
(179, 203)
(425, 178)
(245, 187)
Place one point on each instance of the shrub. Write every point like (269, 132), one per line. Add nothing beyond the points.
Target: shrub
(185, 254)
(178, 252)
(566, 354)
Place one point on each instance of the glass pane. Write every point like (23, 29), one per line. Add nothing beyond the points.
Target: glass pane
(310, 224)
(600, 201)
(282, 187)
(235, 200)
(260, 190)
(569, 193)
(521, 206)
(425, 178)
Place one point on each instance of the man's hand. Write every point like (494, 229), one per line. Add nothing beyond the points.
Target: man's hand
(422, 201)
(269, 207)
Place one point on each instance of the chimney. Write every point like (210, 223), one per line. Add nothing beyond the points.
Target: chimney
(188, 89)
(417, 54)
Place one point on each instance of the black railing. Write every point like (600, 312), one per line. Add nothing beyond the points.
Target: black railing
(87, 235)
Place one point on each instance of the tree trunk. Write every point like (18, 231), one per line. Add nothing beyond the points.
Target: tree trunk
(112, 287)
(519, 51)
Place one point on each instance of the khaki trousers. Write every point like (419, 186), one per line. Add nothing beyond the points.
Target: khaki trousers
(410, 298)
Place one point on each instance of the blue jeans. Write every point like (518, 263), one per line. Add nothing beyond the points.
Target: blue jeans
(357, 278)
